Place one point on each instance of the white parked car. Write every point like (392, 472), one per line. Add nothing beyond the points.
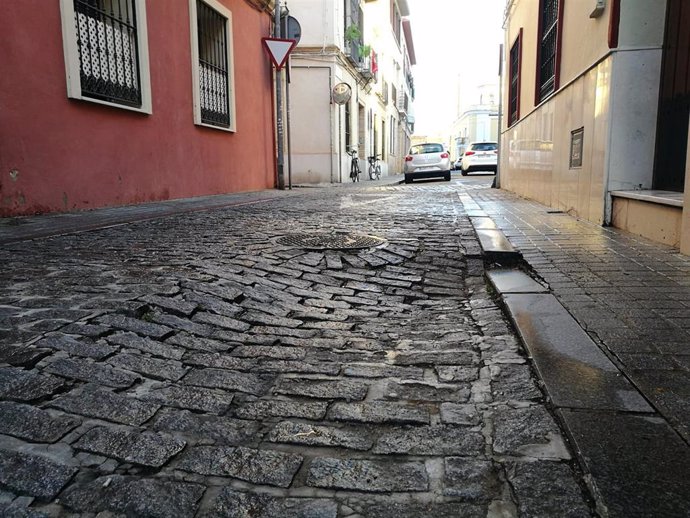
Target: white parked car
(428, 160)
(480, 156)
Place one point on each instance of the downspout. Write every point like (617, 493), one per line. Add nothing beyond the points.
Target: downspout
(330, 89)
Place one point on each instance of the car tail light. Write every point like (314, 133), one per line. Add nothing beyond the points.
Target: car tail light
(408, 158)
(469, 153)
(445, 155)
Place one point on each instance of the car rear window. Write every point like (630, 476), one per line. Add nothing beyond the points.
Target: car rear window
(484, 146)
(421, 149)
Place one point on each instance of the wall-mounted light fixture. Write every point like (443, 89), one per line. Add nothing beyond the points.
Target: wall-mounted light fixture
(599, 7)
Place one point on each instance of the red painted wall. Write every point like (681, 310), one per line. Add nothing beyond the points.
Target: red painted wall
(59, 154)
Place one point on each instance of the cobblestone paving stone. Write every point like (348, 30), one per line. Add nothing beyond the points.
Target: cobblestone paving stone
(193, 366)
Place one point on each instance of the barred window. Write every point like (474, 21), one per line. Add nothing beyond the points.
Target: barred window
(514, 75)
(107, 42)
(106, 52)
(548, 48)
(396, 21)
(212, 63)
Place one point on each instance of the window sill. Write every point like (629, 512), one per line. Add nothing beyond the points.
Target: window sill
(670, 198)
(219, 128)
(146, 110)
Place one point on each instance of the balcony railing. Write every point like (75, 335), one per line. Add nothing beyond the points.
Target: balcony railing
(364, 68)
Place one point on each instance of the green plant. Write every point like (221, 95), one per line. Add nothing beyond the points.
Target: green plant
(352, 33)
(364, 51)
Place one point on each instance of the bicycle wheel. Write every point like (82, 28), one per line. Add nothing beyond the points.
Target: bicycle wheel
(377, 172)
(353, 171)
(372, 172)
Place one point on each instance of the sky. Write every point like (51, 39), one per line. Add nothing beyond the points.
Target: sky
(455, 41)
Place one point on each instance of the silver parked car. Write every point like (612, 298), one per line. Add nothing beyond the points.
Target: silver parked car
(428, 160)
(479, 156)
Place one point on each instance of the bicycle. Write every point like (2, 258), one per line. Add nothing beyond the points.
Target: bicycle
(354, 166)
(374, 167)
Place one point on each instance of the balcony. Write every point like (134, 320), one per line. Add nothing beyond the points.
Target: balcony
(365, 69)
(402, 102)
(351, 51)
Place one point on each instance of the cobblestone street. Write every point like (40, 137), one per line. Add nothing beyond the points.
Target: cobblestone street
(192, 365)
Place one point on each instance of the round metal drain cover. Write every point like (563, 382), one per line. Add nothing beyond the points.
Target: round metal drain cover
(332, 241)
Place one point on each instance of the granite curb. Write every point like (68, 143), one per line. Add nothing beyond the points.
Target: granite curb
(634, 458)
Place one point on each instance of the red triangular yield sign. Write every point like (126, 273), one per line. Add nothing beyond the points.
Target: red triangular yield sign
(278, 49)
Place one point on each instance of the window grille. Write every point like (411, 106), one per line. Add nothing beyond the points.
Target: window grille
(383, 139)
(396, 21)
(107, 43)
(548, 43)
(214, 83)
(354, 17)
(514, 89)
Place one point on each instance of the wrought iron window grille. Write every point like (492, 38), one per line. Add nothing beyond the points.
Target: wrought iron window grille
(106, 33)
(548, 48)
(214, 76)
(514, 91)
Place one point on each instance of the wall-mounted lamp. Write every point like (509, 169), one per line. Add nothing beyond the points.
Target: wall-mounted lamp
(598, 9)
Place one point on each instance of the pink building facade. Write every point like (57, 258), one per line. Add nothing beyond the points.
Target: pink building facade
(117, 102)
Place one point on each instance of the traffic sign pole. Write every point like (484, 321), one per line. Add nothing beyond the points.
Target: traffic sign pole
(279, 103)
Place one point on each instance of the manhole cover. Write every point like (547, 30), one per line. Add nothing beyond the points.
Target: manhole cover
(334, 241)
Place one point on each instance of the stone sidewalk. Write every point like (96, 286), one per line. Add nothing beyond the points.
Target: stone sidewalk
(193, 365)
(632, 297)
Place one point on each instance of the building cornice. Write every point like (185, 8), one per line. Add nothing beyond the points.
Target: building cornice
(265, 6)
(409, 43)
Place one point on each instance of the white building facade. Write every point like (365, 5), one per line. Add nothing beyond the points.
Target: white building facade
(477, 119)
(368, 46)
(596, 111)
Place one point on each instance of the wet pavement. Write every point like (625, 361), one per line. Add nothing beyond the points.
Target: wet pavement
(192, 365)
(617, 358)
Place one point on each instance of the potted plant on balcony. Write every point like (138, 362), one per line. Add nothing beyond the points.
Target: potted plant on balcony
(352, 33)
(364, 67)
(352, 37)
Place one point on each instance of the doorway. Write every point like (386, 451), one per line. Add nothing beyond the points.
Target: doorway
(674, 100)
